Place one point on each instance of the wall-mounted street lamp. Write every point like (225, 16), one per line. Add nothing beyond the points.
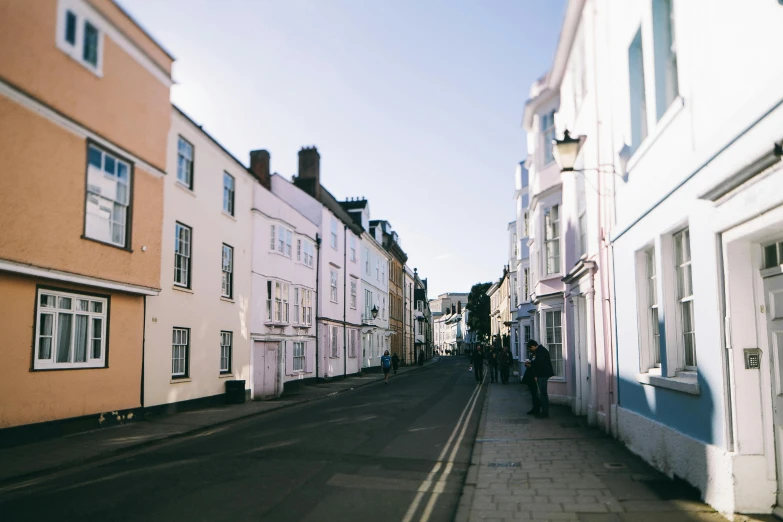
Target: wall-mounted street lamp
(566, 151)
(374, 311)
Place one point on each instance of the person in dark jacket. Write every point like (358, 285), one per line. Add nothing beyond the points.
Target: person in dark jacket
(492, 363)
(504, 363)
(541, 366)
(477, 360)
(395, 362)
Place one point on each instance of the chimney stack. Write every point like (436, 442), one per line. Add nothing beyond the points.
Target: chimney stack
(309, 178)
(259, 166)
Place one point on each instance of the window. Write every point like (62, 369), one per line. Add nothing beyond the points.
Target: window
(298, 250)
(297, 305)
(367, 261)
(288, 238)
(333, 285)
(552, 239)
(526, 284)
(82, 42)
(182, 242)
(516, 343)
(383, 271)
(514, 244)
(334, 234)
(334, 331)
(653, 325)
(353, 294)
(637, 92)
(548, 134)
(383, 309)
(308, 253)
(70, 331)
(180, 348)
(228, 272)
(353, 248)
(307, 307)
(269, 301)
(281, 302)
(682, 260)
(666, 81)
(225, 352)
(378, 269)
(108, 191)
(367, 305)
(299, 357)
(581, 247)
(272, 244)
(228, 193)
(352, 351)
(773, 255)
(554, 341)
(185, 163)
(526, 225)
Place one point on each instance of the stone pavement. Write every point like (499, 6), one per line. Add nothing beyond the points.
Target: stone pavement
(558, 468)
(30, 460)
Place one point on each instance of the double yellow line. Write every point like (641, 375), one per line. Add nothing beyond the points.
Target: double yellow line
(439, 485)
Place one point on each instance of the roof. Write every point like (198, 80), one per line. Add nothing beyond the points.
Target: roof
(354, 204)
(331, 203)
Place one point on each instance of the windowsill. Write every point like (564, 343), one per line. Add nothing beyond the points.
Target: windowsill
(775, 270)
(126, 249)
(229, 216)
(278, 253)
(684, 382)
(668, 116)
(74, 51)
(227, 299)
(277, 324)
(551, 277)
(225, 375)
(182, 289)
(175, 380)
(185, 188)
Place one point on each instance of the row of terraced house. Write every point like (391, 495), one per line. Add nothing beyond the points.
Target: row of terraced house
(647, 251)
(142, 266)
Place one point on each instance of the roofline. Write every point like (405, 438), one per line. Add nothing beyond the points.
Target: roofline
(143, 30)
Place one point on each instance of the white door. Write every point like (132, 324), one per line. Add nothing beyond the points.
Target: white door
(265, 370)
(773, 291)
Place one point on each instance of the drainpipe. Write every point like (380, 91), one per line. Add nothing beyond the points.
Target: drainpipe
(317, 309)
(345, 303)
(143, 347)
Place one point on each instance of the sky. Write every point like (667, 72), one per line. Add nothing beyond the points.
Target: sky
(414, 104)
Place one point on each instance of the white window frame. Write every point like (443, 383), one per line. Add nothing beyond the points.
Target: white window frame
(354, 285)
(183, 249)
(76, 49)
(298, 298)
(308, 253)
(185, 165)
(552, 260)
(526, 284)
(558, 363)
(667, 88)
(650, 310)
(367, 304)
(307, 306)
(227, 267)
(547, 129)
(299, 355)
(226, 344)
(333, 297)
(353, 334)
(107, 198)
(334, 333)
(353, 248)
(56, 304)
(367, 261)
(333, 238)
(229, 191)
(683, 269)
(180, 339)
(639, 125)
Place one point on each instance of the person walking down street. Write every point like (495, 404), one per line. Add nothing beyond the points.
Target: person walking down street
(477, 359)
(395, 360)
(504, 363)
(541, 364)
(492, 364)
(386, 362)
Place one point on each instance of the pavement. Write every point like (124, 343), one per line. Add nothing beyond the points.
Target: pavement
(524, 468)
(31, 460)
(380, 452)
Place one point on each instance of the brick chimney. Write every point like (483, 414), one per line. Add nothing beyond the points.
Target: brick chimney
(309, 178)
(259, 166)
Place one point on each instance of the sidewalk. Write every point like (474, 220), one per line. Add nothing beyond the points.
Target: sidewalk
(525, 468)
(27, 461)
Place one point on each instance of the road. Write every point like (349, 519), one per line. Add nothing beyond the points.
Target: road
(375, 453)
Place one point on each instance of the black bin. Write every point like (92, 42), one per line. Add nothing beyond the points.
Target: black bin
(235, 392)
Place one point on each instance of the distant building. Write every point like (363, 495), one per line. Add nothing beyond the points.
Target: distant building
(398, 258)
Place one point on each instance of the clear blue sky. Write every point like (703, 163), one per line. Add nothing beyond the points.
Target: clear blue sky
(414, 104)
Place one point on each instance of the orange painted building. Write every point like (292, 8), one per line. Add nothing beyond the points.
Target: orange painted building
(84, 119)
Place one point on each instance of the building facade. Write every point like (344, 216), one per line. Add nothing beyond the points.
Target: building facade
(409, 347)
(422, 317)
(397, 260)
(523, 312)
(500, 311)
(74, 279)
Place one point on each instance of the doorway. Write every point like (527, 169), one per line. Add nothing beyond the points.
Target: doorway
(773, 294)
(265, 370)
(582, 368)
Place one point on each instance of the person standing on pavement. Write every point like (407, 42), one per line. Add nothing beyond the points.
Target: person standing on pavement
(395, 360)
(477, 359)
(504, 363)
(541, 364)
(492, 363)
(386, 365)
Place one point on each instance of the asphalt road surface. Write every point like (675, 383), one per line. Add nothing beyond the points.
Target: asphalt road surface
(396, 452)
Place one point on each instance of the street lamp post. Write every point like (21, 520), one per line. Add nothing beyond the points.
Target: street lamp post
(566, 150)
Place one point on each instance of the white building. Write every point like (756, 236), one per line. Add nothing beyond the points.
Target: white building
(338, 312)
(524, 309)
(374, 291)
(285, 254)
(197, 330)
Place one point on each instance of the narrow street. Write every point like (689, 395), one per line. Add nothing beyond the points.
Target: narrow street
(362, 455)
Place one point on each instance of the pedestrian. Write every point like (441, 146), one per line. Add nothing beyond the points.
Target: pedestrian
(478, 363)
(395, 360)
(541, 366)
(504, 363)
(492, 364)
(386, 365)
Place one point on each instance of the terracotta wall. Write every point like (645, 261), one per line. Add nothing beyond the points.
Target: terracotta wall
(128, 105)
(42, 204)
(37, 396)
